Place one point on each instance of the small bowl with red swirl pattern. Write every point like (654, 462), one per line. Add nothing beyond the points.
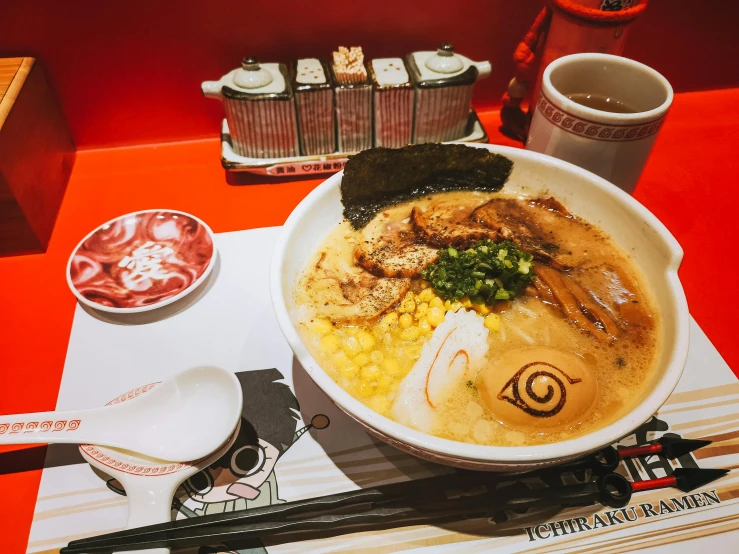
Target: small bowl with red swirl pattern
(141, 261)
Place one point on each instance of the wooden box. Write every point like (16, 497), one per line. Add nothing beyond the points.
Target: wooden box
(36, 157)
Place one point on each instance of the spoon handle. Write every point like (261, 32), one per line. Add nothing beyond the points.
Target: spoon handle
(79, 426)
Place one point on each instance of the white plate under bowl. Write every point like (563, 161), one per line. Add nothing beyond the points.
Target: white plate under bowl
(632, 227)
(110, 268)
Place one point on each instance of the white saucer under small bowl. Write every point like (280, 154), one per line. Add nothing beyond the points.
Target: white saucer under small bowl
(141, 261)
(150, 484)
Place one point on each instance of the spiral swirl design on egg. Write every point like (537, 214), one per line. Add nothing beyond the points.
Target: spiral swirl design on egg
(511, 390)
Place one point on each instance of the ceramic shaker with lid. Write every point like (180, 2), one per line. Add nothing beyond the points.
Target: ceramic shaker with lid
(260, 109)
(393, 102)
(314, 99)
(443, 81)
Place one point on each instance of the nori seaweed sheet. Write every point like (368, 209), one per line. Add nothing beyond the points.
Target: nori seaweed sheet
(380, 177)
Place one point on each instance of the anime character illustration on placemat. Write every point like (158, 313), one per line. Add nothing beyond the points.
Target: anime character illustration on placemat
(244, 477)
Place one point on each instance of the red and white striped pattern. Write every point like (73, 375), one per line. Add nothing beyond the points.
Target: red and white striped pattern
(354, 118)
(393, 117)
(441, 113)
(262, 128)
(316, 121)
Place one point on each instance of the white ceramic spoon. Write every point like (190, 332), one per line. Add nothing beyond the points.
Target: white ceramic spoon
(150, 484)
(166, 424)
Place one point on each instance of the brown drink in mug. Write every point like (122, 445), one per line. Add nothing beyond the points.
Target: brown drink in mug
(601, 112)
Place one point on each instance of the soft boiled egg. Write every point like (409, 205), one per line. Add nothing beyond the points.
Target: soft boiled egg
(538, 387)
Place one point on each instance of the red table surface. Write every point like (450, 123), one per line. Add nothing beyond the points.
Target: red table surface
(690, 183)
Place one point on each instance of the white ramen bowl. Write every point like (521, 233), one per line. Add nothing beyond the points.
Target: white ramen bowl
(630, 225)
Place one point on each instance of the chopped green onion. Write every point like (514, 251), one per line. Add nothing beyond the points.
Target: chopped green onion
(486, 271)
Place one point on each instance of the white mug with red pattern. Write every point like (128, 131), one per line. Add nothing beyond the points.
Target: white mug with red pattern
(613, 145)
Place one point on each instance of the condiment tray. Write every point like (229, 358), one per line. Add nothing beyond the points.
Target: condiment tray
(312, 165)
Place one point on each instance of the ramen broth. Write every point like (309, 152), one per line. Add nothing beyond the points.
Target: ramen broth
(371, 358)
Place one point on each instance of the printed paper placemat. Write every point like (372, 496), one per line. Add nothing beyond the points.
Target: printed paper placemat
(229, 322)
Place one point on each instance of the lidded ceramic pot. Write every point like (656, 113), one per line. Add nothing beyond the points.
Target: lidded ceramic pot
(393, 102)
(260, 109)
(353, 97)
(443, 81)
(314, 99)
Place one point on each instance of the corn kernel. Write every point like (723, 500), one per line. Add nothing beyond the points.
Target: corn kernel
(376, 356)
(421, 310)
(492, 322)
(350, 345)
(329, 344)
(426, 295)
(361, 359)
(411, 333)
(424, 285)
(455, 306)
(436, 302)
(366, 340)
(370, 372)
(435, 316)
(365, 389)
(321, 326)
(424, 326)
(340, 359)
(391, 366)
(405, 321)
(482, 309)
(387, 339)
(389, 321)
(351, 331)
(408, 306)
(350, 371)
(379, 404)
(447, 305)
(466, 302)
(385, 382)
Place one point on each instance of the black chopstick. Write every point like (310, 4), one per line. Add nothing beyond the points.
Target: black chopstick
(420, 488)
(605, 461)
(392, 512)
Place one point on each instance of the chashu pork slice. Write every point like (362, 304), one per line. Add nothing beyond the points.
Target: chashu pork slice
(446, 222)
(389, 247)
(540, 226)
(345, 293)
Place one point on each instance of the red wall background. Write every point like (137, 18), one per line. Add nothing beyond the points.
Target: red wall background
(130, 72)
